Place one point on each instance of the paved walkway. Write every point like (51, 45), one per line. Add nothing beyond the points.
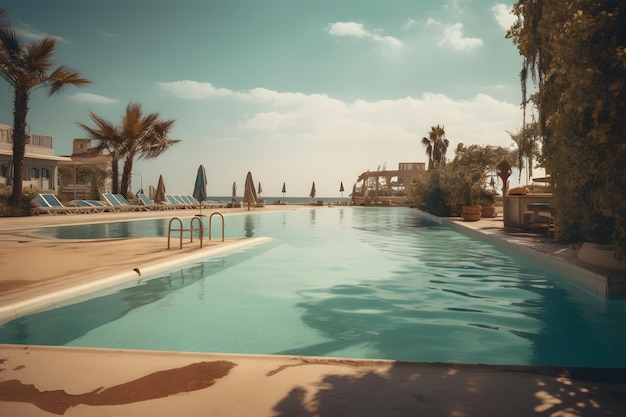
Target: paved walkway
(52, 381)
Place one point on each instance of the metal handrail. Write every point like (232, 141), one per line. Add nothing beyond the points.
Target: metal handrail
(181, 230)
(211, 220)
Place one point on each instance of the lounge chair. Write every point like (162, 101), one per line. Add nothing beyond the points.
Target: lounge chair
(120, 203)
(50, 204)
(184, 202)
(190, 200)
(90, 206)
(175, 202)
(150, 205)
(195, 203)
(112, 200)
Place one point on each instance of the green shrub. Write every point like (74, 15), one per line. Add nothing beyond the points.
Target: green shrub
(8, 211)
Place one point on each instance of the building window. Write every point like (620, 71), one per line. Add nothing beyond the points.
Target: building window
(45, 178)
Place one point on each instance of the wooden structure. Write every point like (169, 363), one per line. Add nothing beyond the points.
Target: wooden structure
(383, 187)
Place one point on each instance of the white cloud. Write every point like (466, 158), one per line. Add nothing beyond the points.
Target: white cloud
(92, 98)
(298, 137)
(194, 90)
(453, 37)
(323, 119)
(347, 29)
(502, 14)
(108, 34)
(30, 33)
(359, 31)
(482, 119)
(409, 23)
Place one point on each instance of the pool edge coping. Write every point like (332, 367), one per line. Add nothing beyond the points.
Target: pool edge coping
(18, 308)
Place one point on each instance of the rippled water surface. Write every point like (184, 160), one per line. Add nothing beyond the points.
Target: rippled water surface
(351, 282)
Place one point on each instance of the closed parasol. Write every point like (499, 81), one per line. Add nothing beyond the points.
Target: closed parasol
(249, 193)
(159, 195)
(199, 187)
(284, 191)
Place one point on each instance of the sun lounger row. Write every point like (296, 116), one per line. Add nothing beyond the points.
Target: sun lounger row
(50, 204)
(119, 203)
(188, 202)
(177, 202)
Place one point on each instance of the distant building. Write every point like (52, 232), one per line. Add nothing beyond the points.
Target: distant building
(40, 163)
(84, 174)
(386, 187)
(412, 166)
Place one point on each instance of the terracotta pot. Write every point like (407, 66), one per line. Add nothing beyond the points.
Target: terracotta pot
(488, 212)
(471, 213)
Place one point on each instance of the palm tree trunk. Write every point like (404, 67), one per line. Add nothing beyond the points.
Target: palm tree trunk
(20, 109)
(115, 174)
(128, 168)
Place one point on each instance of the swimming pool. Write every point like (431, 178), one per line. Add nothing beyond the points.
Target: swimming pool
(350, 282)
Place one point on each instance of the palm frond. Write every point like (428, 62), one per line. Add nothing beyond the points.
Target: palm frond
(39, 55)
(63, 77)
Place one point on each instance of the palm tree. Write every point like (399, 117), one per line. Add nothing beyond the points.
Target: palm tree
(109, 140)
(527, 140)
(436, 147)
(143, 136)
(27, 67)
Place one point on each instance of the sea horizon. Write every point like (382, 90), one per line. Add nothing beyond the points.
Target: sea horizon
(287, 199)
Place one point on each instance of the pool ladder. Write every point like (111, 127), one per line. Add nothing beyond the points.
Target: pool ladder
(200, 229)
(211, 219)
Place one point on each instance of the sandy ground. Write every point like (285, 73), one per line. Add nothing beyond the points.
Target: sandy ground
(49, 381)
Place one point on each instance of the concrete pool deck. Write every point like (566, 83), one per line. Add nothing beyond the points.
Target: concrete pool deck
(48, 381)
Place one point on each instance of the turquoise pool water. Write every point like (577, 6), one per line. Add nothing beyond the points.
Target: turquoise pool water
(350, 282)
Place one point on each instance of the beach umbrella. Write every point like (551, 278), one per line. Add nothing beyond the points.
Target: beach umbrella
(199, 187)
(284, 191)
(341, 190)
(249, 193)
(260, 190)
(313, 192)
(151, 192)
(234, 190)
(159, 195)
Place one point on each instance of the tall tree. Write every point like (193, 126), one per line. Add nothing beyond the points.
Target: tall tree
(575, 51)
(138, 136)
(527, 139)
(143, 136)
(26, 67)
(109, 140)
(436, 147)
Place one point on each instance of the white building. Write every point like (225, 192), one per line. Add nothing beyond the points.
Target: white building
(40, 163)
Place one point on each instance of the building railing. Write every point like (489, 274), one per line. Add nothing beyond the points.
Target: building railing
(33, 139)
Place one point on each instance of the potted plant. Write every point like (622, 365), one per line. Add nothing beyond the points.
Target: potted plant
(487, 201)
(470, 212)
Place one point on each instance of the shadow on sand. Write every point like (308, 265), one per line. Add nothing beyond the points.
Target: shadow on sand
(434, 389)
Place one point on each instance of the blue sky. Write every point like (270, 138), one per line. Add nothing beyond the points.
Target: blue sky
(294, 91)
